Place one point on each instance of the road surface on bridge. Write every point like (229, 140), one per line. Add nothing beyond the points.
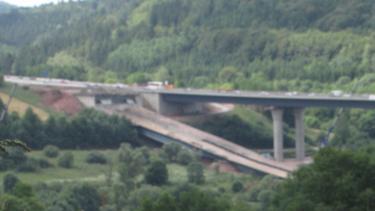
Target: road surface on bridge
(333, 99)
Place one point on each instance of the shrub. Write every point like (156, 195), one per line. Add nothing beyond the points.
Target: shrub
(157, 173)
(171, 150)
(195, 173)
(9, 182)
(96, 157)
(13, 159)
(4, 164)
(124, 152)
(16, 155)
(131, 162)
(185, 157)
(22, 190)
(51, 151)
(146, 154)
(83, 197)
(148, 192)
(14, 203)
(66, 160)
(237, 187)
(44, 163)
(31, 165)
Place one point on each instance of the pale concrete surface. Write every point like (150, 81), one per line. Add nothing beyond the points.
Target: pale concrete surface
(203, 141)
(300, 133)
(278, 139)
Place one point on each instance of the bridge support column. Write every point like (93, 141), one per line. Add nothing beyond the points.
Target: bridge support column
(277, 116)
(300, 133)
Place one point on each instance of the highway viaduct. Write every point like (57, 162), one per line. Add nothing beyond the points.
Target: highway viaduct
(169, 102)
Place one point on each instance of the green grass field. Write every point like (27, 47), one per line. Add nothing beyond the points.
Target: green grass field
(22, 94)
(83, 171)
(80, 171)
(20, 107)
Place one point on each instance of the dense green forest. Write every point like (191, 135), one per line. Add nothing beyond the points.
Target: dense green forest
(276, 45)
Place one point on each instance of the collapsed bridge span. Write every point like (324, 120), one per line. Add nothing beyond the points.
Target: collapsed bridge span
(208, 143)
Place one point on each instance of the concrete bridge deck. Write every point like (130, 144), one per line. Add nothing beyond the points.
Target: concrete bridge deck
(203, 141)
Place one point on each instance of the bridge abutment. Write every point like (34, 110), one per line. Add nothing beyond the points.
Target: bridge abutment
(156, 103)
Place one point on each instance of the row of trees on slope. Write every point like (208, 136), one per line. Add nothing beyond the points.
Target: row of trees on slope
(89, 129)
(247, 44)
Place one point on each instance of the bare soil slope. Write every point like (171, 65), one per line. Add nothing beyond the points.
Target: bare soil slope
(60, 101)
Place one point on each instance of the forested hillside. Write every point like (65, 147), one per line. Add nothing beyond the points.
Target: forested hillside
(269, 45)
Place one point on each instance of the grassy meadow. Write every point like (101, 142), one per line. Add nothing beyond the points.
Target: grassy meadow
(23, 99)
(97, 173)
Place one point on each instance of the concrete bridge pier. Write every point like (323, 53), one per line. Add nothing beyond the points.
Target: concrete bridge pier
(300, 133)
(278, 141)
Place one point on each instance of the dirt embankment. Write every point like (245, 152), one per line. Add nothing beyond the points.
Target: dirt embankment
(60, 101)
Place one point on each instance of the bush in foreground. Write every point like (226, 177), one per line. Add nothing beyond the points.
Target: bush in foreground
(191, 198)
(237, 186)
(184, 157)
(31, 165)
(337, 180)
(171, 150)
(195, 173)
(96, 158)
(9, 182)
(157, 173)
(66, 160)
(44, 163)
(51, 151)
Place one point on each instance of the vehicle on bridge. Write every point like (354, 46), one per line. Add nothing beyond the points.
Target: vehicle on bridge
(159, 85)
